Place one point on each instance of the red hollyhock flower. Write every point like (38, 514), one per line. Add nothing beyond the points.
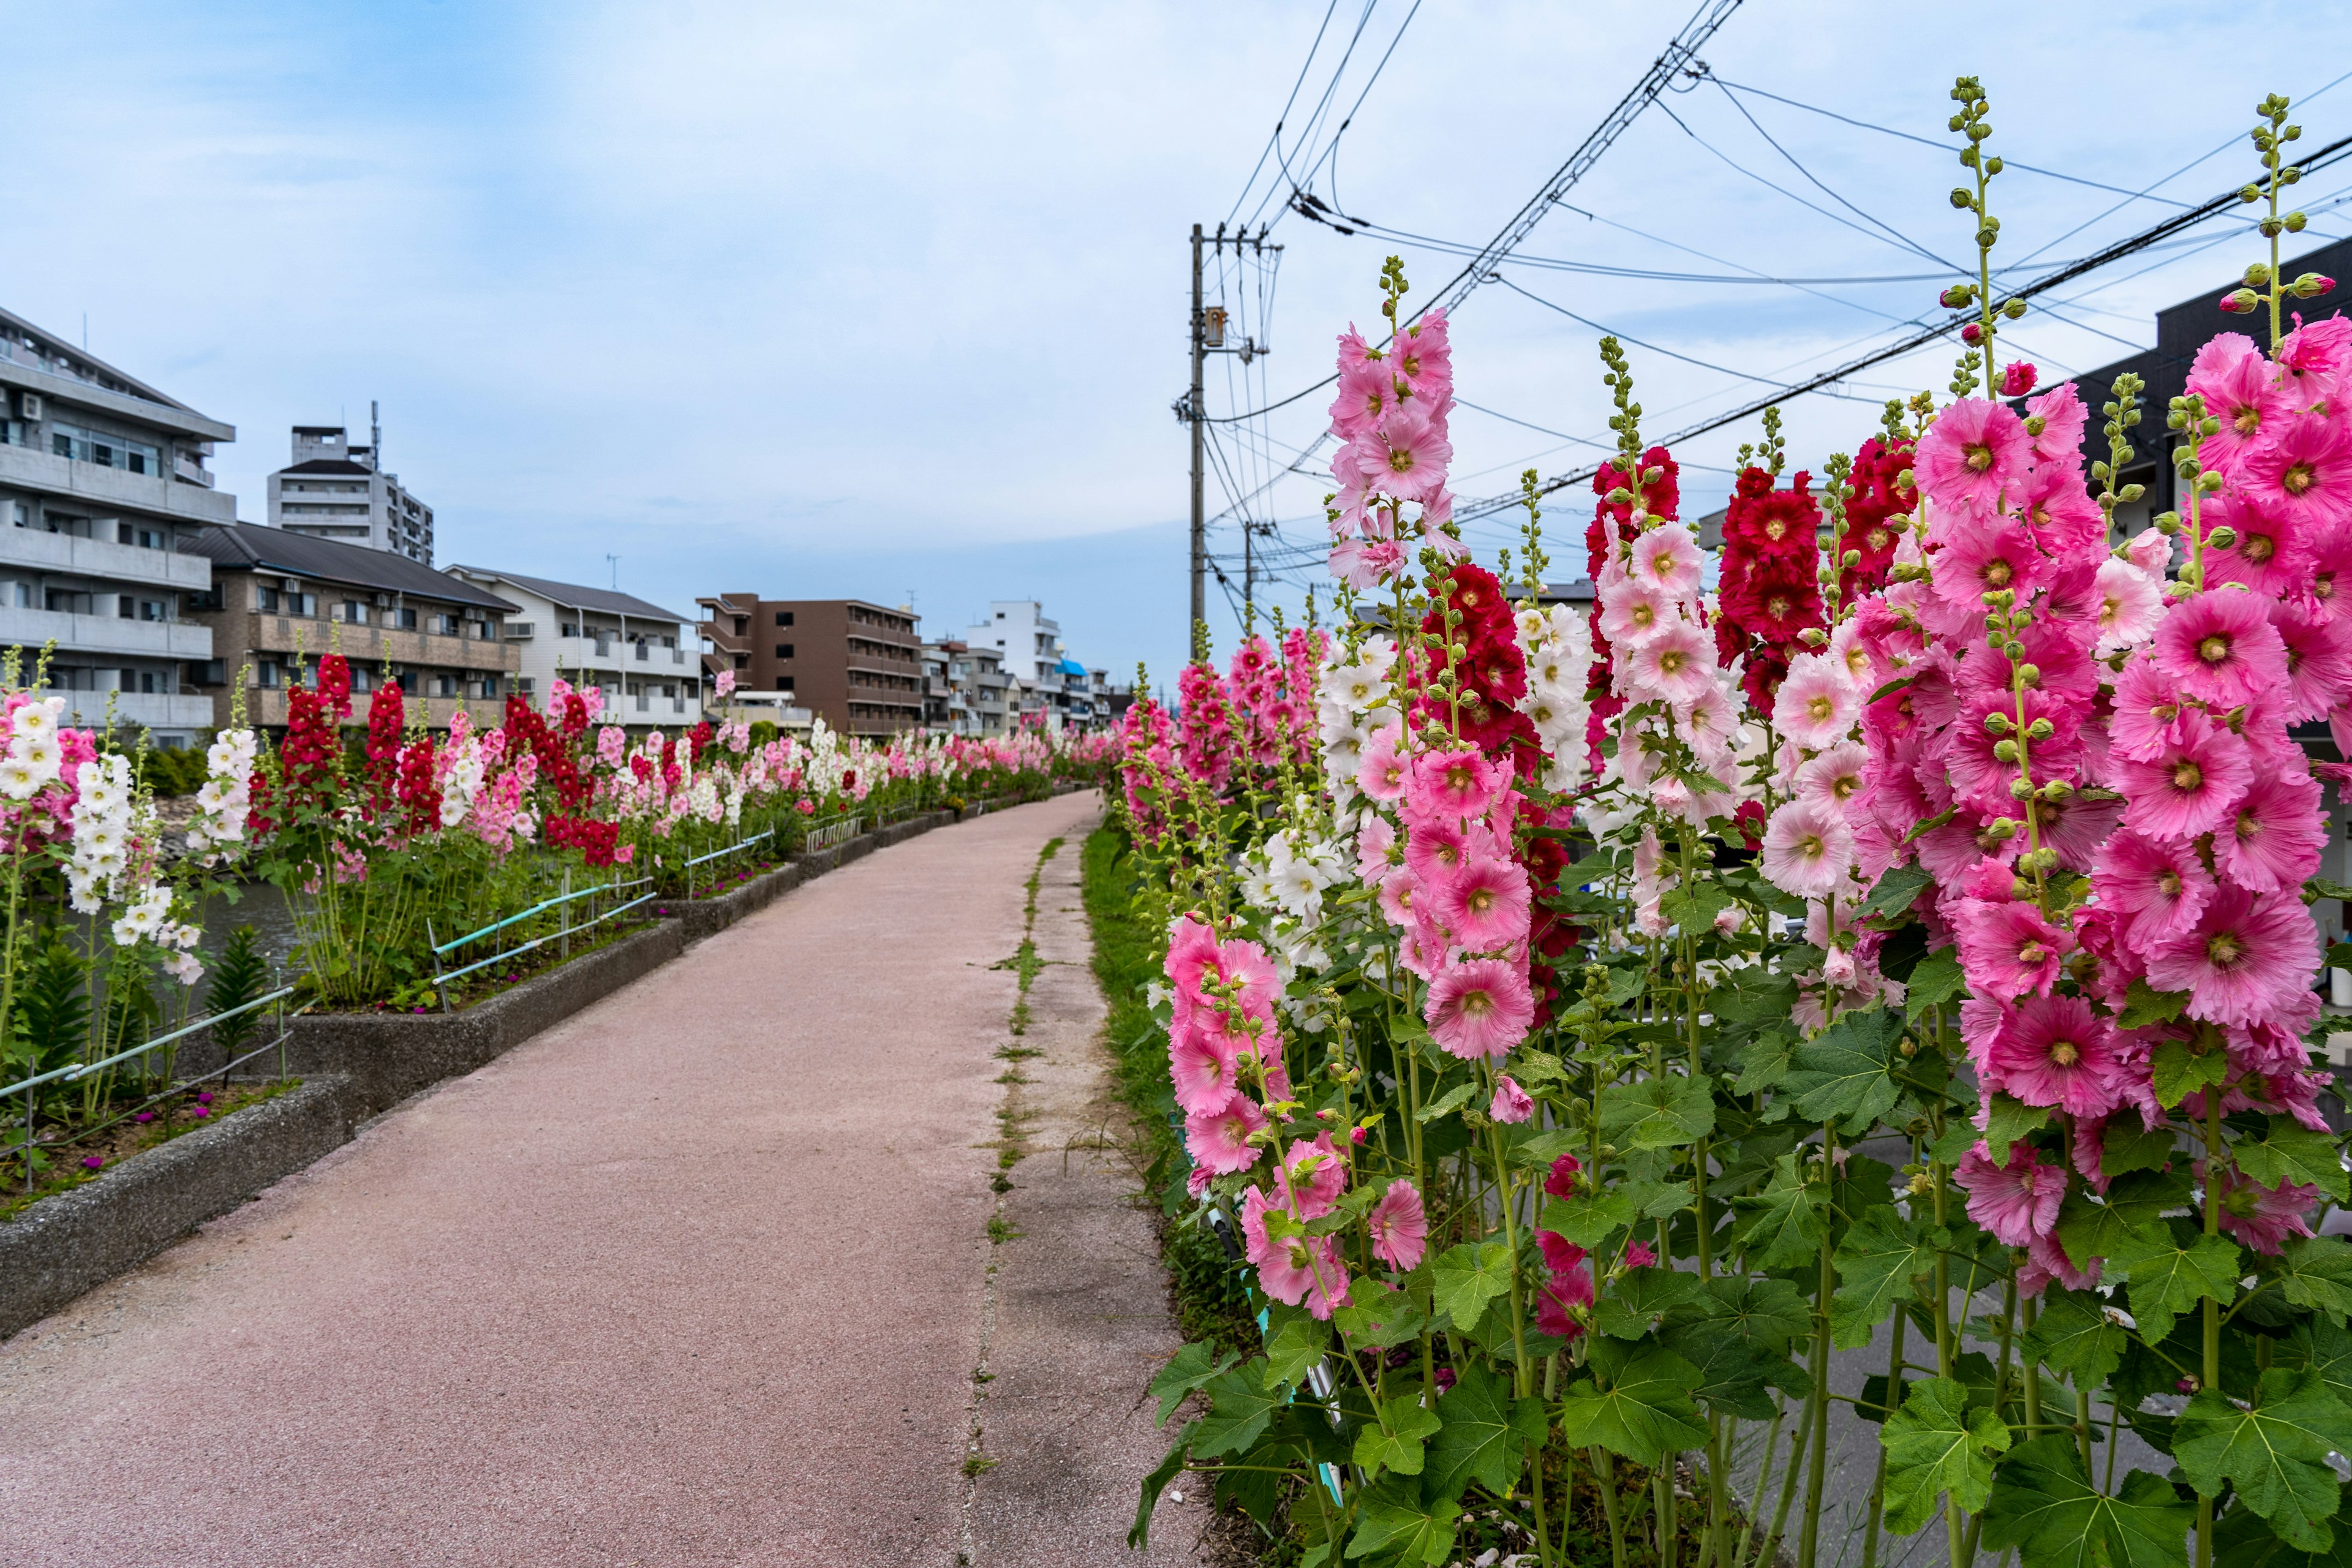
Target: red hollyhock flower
(1767, 667)
(1768, 524)
(1776, 601)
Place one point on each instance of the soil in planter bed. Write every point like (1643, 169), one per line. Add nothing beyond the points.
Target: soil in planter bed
(485, 983)
(127, 1138)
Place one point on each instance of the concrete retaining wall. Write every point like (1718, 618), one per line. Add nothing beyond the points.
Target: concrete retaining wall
(353, 1066)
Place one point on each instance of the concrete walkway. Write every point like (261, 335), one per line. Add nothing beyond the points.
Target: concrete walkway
(702, 1276)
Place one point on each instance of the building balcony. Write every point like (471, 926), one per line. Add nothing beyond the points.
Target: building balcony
(267, 708)
(646, 653)
(106, 635)
(107, 490)
(137, 709)
(366, 645)
(66, 553)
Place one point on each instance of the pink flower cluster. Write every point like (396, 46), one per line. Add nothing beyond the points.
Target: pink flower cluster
(1391, 412)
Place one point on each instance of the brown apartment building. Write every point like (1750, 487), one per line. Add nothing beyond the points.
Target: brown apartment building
(280, 600)
(859, 666)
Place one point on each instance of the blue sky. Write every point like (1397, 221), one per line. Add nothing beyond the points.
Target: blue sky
(817, 301)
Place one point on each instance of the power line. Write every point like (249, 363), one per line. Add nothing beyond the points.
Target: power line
(1271, 141)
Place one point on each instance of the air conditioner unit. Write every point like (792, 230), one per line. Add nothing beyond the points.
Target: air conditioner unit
(384, 601)
(28, 405)
(291, 584)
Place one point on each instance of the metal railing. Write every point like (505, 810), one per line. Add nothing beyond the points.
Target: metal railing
(79, 1070)
(722, 853)
(839, 831)
(562, 935)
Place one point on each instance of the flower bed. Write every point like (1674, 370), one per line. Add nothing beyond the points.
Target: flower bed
(1538, 989)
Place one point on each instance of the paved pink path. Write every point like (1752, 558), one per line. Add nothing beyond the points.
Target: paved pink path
(695, 1277)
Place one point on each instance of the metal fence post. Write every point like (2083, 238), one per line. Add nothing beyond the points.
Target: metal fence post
(565, 947)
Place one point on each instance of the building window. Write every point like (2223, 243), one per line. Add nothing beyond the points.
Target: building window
(105, 451)
(785, 683)
(19, 514)
(784, 618)
(352, 613)
(783, 650)
(406, 619)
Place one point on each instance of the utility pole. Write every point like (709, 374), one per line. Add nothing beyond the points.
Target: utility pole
(1249, 577)
(1200, 434)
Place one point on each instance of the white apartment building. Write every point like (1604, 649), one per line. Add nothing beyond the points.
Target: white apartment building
(1026, 641)
(336, 491)
(644, 658)
(103, 488)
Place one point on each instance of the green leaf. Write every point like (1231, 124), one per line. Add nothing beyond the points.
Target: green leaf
(2289, 1152)
(1764, 1062)
(2126, 1145)
(1468, 1277)
(1637, 1404)
(2143, 1004)
(1663, 1113)
(2011, 1121)
(1931, 823)
(2176, 1073)
(1240, 1407)
(1452, 1100)
(2274, 1452)
(1878, 1260)
(2074, 1335)
(1781, 1226)
(1937, 982)
(1841, 1074)
(2168, 1280)
(2048, 1510)
(2325, 1346)
(2244, 1540)
(1589, 1219)
(1734, 1370)
(1297, 1342)
(1935, 1443)
(1694, 907)
(1895, 891)
(1190, 1367)
(1630, 1305)
(1655, 1200)
(1410, 1424)
(2315, 1272)
(1168, 1469)
(1398, 1524)
(1484, 1435)
(1379, 1316)
(2127, 1219)
(1762, 999)
(1770, 1311)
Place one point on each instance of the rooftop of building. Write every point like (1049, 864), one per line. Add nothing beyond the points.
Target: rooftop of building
(578, 595)
(329, 466)
(251, 547)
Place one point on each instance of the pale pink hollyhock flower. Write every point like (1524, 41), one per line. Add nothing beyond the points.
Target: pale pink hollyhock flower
(2263, 1217)
(1399, 891)
(2151, 550)
(1635, 613)
(1294, 1268)
(1711, 723)
(1973, 449)
(1833, 778)
(1455, 783)
(1729, 918)
(1649, 858)
(1817, 704)
(2047, 1261)
(1376, 849)
(1434, 847)
(1400, 1229)
(2278, 837)
(1510, 1104)
(2247, 959)
(1669, 560)
(2016, 1202)
(1677, 665)
(2192, 786)
(1650, 917)
(2056, 1051)
(1417, 451)
(1201, 1064)
(2221, 649)
(1807, 849)
(1220, 1143)
(1855, 654)
(2161, 887)
(1838, 967)
(1313, 1177)
(1382, 775)
(2303, 470)
(2130, 604)
(1479, 1008)
(1485, 904)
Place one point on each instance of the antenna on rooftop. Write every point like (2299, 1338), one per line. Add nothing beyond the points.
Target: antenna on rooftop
(617, 571)
(375, 435)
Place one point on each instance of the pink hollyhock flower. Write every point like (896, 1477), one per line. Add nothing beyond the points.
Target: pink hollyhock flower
(2053, 503)
(1399, 889)
(1634, 613)
(1817, 703)
(2130, 603)
(1455, 783)
(2302, 472)
(1382, 772)
(1669, 560)
(2056, 1051)
(2269, 555)
(1711, 723)
(1639, 1256)
(1479, 1008)
(2312, 359)
(2047, 1261)
(1417, 451)
(2146, 710)
(1984, 558)
(2008, 949)
(1220, 1143)
(1569, 1287)
(2318, 659)
(1376, 849)
(2191, 786)
(1677, 665)
(1400, 1229)
(1313, 1177)
(2062, 417)
(2278, 837)
(1191, 952)
(1244, 961)
(1434, 847)
(2016, 1202)
(1201, 1064)
(1807, 849)
(1510, 1104)
(1485, 904)
(2263, 1217)
(2163, 887)
(2248, 958)
(1300, 1268)
(2151, 551)
(1559, 1182)
(1973, 450)
(2017, 379)
(2221, 649)
(1833, 779)
(2241, 389)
